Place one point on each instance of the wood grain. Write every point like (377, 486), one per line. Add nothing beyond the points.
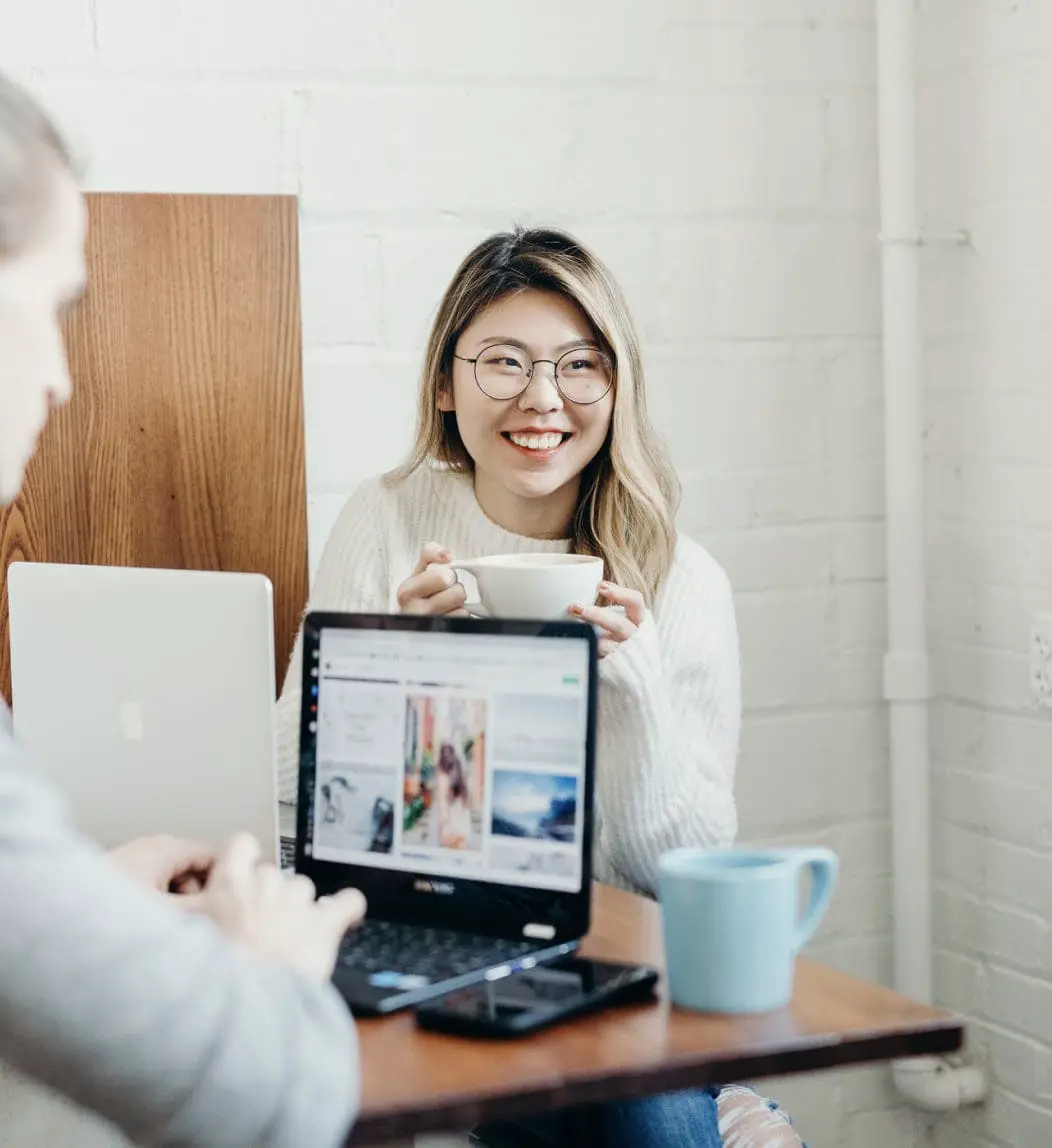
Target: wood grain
(415, 1082)
(183, 444)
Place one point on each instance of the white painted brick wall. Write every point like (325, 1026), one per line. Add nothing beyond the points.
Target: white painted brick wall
(720, 154)
(984, 86)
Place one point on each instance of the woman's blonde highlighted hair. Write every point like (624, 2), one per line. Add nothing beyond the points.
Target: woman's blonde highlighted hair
(629, 492)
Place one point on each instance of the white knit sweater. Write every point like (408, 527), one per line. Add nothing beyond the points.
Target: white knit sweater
(670, 696)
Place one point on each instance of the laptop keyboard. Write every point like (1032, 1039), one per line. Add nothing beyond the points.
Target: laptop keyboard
(439, 954)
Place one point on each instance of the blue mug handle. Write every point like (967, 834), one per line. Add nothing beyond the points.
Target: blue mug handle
(824, 865)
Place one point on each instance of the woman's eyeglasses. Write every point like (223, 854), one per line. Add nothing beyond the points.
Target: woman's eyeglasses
(583, 375)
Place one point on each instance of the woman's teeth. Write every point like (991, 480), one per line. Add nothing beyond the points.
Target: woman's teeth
(537, 441)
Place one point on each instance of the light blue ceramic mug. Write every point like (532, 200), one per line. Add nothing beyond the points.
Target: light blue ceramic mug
(733, 925)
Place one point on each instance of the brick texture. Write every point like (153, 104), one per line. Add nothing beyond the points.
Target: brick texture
(984, 79)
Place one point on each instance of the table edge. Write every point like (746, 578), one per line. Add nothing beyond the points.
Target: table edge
(939, 1036)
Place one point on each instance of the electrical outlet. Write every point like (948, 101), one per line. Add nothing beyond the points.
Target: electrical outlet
(1041, 660)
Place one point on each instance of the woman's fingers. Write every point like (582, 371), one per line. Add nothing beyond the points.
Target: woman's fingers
(433, 587)
(616, 624)
(419, 587)
(430, 553)
(443, 601)
(631, 601)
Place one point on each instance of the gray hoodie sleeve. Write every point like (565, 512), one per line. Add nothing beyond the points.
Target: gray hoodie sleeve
(150, 1018)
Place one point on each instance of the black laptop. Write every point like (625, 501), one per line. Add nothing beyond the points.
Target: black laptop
(447, 769)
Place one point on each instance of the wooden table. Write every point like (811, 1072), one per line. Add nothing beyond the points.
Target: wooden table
(416, 1082)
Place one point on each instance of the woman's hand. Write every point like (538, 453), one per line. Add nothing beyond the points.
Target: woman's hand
(617, 625)
(432, 588)
(165, 863)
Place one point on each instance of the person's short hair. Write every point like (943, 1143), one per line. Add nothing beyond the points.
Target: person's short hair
(31, 149)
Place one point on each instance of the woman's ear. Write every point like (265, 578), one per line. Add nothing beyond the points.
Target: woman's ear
(445, 395)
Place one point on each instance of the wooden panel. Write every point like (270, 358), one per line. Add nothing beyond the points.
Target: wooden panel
(415, 1082)
(183, 444)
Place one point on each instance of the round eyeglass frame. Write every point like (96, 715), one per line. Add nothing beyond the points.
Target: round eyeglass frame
(555, 373)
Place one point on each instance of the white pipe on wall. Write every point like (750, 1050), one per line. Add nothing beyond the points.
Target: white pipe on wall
(930, 1083)
(906, 663)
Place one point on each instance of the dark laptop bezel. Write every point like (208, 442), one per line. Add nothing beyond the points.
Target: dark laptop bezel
(420, 898)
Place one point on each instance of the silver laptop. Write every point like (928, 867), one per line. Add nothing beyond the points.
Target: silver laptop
(148, 696)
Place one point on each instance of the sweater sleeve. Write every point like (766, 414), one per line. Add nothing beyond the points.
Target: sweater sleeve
(351, 577)
(147, 1016)
(670, 716)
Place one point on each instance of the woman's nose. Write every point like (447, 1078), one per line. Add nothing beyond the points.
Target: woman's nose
(541, 394)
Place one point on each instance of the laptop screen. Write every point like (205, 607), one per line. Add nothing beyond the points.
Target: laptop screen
(450, 754)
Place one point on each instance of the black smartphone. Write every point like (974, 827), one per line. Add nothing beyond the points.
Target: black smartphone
(535, 998)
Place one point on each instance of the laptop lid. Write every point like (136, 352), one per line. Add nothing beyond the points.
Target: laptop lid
(148, 696)
(447, 769)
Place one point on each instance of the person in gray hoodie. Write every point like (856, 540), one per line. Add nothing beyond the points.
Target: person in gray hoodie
(203, 1021)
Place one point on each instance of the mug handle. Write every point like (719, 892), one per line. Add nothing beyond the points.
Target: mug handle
(475, 609)
(824, 865)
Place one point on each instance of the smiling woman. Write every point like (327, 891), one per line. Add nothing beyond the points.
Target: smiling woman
(533, 339)
(533, 438)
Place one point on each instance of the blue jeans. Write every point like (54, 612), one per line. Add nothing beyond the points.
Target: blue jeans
(675, 1120)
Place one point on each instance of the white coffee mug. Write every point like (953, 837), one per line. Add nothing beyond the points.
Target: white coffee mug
(532, 585)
